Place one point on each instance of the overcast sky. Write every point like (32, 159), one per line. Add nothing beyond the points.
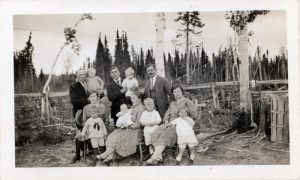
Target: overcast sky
(47, 34)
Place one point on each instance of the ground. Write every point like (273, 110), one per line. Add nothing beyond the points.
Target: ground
(238, 150)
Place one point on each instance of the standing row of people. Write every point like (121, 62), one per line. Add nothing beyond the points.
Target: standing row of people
(165, 116)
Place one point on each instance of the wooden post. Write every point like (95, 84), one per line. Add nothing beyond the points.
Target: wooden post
(213, 94)
(159, 45)
(47, 108)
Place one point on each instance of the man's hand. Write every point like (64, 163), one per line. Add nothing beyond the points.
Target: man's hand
(123, 90)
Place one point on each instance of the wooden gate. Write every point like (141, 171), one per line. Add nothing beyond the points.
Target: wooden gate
(280, 119)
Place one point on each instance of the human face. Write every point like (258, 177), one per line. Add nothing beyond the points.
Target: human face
(151, 71)
(149, 106)
(123, 108)
(91, 73)
(129, 75)
(93, 98)
(134, 99)
(94, 114)
(177, 93)
(183, 113)
(115, 74)
(81, 75)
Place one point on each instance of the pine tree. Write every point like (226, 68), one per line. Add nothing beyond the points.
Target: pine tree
(190, 21)
(25, 74)
(42, 78)
(99, 62)
(107, 62)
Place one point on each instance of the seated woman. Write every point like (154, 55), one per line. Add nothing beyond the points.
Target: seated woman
(86, 113)
(165, 135)
(123, 141)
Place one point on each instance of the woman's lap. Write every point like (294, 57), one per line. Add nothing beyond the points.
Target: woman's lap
(123, 141)
(164, 136)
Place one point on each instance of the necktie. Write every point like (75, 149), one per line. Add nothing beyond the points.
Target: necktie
(118, 82)
(85, 87)
(151, 83)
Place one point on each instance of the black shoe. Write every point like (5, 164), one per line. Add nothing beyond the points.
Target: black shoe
(177, 162)
(94, 163)
(191, 162)
(107, 163)
(75, 159)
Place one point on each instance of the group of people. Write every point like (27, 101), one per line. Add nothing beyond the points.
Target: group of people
(161, 114)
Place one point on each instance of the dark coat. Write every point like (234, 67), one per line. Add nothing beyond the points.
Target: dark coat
(78, 97)
(116, 98)
(163, 92)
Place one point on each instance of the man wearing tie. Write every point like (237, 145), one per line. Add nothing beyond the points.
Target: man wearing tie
(79, 98)
(115, 92)
(159, 89)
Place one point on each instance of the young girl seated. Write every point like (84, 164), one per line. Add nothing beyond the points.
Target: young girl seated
(150, 119)
(124, 117)
(130, 83)
(96, 130)
(93, 82)
(185, 135)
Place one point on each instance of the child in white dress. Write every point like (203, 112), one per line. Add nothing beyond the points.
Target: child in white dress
(150, 119)
(93, 82)
(185, 134)
(96, 130)
(130, 83)
(124, 117)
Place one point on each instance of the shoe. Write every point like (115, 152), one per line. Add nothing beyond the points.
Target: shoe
(75, 159)
(107, 162)
(191, 162)
(177, 162)
(147, 163)
(94, 163)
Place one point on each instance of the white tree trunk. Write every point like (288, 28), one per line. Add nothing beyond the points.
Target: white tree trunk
(159, 44)
(244, 70)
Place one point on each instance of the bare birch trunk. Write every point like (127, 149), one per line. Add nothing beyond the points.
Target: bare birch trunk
(244, 70)
(159, 45)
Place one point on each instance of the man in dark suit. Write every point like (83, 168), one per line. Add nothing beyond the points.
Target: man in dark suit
(79, 98)
(115, 92)
(159, 89)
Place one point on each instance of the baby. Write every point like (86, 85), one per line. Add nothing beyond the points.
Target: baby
(124, 117)
(185, 134)
(96, 131)
(93, 82)
(130, 83)
(150, 119)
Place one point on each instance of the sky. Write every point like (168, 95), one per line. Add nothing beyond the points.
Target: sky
(48, 37)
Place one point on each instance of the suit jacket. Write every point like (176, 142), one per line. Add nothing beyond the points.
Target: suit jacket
(163, 92)
(116, 97)
(78, 97)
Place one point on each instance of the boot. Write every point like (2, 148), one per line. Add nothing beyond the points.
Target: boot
(77, 152)
(90, 147)
(95, 151)
(102, 149)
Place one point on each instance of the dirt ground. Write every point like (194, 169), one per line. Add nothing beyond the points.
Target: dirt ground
(238, 150)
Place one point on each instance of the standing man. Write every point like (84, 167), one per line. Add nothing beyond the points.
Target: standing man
(159, 89)
(79, 98)
(115, 92)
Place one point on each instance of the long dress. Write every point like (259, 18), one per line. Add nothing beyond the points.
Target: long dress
(124, 141)
(167, 136)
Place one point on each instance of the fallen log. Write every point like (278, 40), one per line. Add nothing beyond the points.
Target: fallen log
(277, 150)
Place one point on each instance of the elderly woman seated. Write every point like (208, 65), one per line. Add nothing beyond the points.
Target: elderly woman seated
(123, 141)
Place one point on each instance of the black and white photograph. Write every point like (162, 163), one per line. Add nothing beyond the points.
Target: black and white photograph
(152, 89)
